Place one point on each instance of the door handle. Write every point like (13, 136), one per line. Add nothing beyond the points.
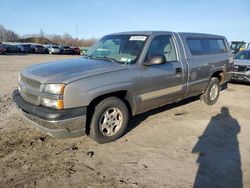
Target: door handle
(178, 70)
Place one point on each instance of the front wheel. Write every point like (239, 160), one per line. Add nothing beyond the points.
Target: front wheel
(109, 121)
(212, 93)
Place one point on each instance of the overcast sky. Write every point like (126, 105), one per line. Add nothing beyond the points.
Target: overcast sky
(94, 18)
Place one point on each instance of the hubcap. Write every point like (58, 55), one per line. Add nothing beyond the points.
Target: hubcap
(214, 92)
(111, 122)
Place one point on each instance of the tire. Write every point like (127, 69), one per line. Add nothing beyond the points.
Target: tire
(109, 120)
(212, 93)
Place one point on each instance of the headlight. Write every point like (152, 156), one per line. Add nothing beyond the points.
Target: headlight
(51, 103)
(56, 89)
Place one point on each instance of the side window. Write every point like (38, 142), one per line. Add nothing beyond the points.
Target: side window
(222, 45)
(198, 46)
(195, 46)
(206, 46)
(214, 45)
(162, 45)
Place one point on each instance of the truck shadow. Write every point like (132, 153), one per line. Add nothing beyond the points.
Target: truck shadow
(219, 156)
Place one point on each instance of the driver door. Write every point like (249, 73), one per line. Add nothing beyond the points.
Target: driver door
(161, 83)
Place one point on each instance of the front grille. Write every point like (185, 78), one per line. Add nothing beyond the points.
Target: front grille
(29, 82)
(29, 90)
(30, 96)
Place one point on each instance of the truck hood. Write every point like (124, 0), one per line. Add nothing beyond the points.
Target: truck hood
(69, 70)
(243, 62)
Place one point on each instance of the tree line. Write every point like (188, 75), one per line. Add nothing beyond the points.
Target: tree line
(7, 35)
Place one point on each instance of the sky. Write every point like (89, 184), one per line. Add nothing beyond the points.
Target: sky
(95, 18)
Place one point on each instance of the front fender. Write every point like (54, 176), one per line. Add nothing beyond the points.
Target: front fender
(81, 93)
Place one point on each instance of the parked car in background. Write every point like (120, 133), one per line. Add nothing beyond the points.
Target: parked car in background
(52, 49)
(66, 50)
(25, 48)
(11, 48)
(2, 50)
(241, 71)
(76, 50)
(38, 49)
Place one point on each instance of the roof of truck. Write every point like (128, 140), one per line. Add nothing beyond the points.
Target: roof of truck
(134, 33)
(184, 34)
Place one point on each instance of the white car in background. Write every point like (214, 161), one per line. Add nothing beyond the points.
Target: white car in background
(53, 49)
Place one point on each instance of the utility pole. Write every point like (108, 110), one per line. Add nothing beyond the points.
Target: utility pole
(77, 29)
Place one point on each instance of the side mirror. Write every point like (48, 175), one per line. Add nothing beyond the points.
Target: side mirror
(156, 60)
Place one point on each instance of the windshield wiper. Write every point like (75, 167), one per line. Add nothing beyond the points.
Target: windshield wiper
(105, 58)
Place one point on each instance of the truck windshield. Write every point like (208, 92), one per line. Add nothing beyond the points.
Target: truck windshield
(124, 49)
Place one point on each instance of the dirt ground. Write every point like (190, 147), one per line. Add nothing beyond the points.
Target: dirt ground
(182, 145)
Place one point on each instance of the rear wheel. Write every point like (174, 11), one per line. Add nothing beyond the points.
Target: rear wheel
(109, 121)
(212, 93)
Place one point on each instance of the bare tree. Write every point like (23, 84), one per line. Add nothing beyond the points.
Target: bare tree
(2, 31)
(7, 35)
(43, 38)
(67, 39)
(42, 33)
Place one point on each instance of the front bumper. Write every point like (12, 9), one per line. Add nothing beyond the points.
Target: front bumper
(57, 123)
(241, 76)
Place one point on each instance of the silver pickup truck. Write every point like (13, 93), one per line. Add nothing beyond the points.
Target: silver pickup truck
(122, 75)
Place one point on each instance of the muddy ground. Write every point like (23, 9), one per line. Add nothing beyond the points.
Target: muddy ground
(182, 145)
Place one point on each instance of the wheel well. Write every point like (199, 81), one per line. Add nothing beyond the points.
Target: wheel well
(123, 95)
(220, 75)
